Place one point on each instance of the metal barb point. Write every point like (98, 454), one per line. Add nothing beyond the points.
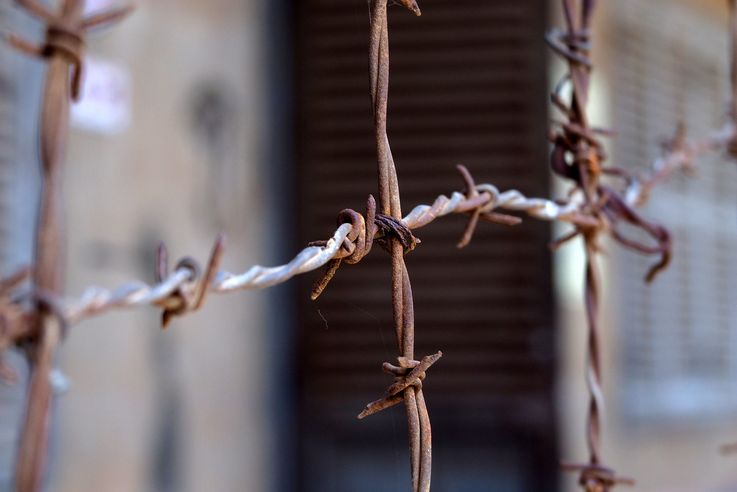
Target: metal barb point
(189, 296)
(409, 373)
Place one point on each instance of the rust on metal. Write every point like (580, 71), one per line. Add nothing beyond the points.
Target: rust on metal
(399, 240)
(15, 321)
(732, 7)
(37, 322)
(63, 51)
(578, 155)
(191, 296)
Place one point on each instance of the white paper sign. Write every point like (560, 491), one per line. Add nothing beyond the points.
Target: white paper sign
(96, 6)
(105, 103)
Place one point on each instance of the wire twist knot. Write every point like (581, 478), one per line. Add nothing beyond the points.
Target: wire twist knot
(67, 42)
(355, 247)
(487, 196)
(597, 478)
(64, 38)
(573, 46)
(389, 227)
(408, 373)
(190, 296)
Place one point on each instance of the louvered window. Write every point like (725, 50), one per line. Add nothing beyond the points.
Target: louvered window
(467, 86)
(679, 351)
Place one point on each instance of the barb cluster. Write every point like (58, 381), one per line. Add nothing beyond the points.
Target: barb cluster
(578, 155)
(592, 207)
(352, 241)
(65, 31)
(62, 49)
(407, 373)
(15, 321)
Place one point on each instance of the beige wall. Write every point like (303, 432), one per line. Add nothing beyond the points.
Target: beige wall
(155, 181)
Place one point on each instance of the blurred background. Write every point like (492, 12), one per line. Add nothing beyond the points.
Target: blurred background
(253, 118)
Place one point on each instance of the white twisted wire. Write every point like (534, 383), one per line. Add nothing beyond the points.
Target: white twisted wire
(96, 300)
(680, 158)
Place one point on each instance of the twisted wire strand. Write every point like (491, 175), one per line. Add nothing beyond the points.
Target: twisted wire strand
(578, 156)
(62, 50)
(680, 155)
(98, 300)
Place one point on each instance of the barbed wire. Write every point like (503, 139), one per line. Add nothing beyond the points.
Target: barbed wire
(591, 208)
(63, 51)
(182, 282)
(578, 156)
(679, 154)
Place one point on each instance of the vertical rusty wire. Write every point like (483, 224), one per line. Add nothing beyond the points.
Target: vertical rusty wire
(732, 9)
(63, 50)
(588, 162)
(418, 419)
(577, 155)
(48, 273)
(586, 169)
(390, 205)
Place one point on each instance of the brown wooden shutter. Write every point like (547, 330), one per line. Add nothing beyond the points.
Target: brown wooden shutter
(467, 86)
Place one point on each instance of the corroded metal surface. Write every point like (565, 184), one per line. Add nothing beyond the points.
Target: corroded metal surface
(418, 419)
(38, 321)
(63, 52)
(579, 156)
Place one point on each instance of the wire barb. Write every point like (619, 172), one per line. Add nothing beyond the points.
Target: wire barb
(64, 38)
(409, 373)
(188, 297)
(343, 246)
(579, 156)
(483, 211)
(596, 478)
(63, 50)
(16, 322)
(357, 245)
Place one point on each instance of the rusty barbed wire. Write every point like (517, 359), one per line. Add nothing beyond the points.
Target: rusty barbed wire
(576, 143)
(169, 290)
(591, 207)
(62, 50)
(579, 144)
(679, 154)
(418, 418)
(15, 321)
(578, 155)
(186, 288)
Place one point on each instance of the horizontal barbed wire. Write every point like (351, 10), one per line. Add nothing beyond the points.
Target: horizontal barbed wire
(680, 156)
(97, 300)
